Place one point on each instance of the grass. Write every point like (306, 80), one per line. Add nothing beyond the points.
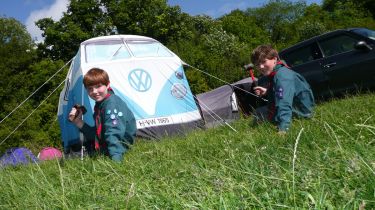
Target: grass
(327, 162)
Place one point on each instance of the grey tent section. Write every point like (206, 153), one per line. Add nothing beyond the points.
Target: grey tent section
(227, 103)
(218, 105)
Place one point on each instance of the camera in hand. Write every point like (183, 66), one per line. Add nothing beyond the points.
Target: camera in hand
(80, 109)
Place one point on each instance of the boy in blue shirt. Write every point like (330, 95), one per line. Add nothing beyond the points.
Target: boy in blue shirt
(115, 125)
(287, 91)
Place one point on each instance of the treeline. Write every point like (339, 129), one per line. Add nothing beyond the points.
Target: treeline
(219, 46)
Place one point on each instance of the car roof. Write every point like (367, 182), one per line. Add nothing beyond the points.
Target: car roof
(313, 39)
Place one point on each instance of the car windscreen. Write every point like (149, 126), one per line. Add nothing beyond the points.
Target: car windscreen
(143, 49)
(106, 51)
(365, 32)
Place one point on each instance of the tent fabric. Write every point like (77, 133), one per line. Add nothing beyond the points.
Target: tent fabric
(169, 130)
(226, 102)
(17, 156)
(144, 73)
(49, 153)
(218, 105)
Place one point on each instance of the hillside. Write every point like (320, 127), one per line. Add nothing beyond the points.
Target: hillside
(327, 162)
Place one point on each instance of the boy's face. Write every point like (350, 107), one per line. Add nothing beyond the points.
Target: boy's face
(266, 66)
(98, 92)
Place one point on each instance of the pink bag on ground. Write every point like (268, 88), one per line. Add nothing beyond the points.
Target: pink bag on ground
(49, 153)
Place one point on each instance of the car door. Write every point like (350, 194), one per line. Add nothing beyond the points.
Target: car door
(306, 60)
(345, 66)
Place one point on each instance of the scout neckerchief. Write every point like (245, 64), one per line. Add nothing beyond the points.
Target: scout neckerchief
(99, 141)
(272, 106)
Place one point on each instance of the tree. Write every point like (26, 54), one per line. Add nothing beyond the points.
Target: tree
(152, 18)
(245, 28)
(277, 18)
(333, 15)
(16, 46)
(16, 53)
(21, 73)
(312, 23)
(224, 53)
(41, 128)
(84, 19)
(350, 14)
(368, 5)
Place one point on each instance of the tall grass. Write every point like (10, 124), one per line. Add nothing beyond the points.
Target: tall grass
(327, 162)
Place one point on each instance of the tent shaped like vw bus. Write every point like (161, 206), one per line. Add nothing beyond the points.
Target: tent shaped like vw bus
(144, 73)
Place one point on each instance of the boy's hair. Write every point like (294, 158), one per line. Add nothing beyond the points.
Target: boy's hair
(95, 76)
(263, 52)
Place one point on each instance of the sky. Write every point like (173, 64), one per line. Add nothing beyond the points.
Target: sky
(29, 11)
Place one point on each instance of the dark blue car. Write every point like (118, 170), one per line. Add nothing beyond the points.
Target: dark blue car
(336, 61)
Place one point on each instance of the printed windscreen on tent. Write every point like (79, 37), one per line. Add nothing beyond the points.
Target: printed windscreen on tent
(144, 73)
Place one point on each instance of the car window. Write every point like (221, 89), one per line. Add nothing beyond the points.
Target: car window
(337, 45)
(365, 32)
(303, 55)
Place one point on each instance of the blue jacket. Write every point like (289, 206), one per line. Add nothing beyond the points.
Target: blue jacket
(288, 93)
(115, 127)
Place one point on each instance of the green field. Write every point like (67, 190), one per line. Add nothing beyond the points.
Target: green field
(327, 162)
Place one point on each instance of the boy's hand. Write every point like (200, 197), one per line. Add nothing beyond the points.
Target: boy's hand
(75, 116)
(260, 91)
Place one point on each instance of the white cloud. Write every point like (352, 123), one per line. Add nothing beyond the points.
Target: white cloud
(54, 11)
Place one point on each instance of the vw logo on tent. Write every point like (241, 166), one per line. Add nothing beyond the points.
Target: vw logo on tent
(140, 80)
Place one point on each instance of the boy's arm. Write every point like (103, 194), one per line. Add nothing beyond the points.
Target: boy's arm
(284, 94)
(262, 83)
(88, 131)
(75, 117)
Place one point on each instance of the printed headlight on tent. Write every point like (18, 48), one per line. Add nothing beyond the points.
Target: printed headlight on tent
(178, 90)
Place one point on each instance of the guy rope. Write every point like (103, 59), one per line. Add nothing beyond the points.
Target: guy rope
(30, 97)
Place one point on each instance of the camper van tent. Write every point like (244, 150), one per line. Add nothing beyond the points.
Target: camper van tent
(144, 73)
